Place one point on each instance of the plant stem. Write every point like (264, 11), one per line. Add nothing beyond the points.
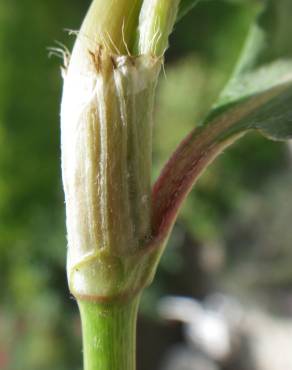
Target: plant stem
(109, 334)
(156, 21)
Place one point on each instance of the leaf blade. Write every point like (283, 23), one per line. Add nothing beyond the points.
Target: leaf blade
(269, 112)
(257, 97)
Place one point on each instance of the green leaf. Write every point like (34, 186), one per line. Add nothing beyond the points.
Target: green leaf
(270, 112)
(256, 81)
(257, 97)
(265, 64)
(268, 43)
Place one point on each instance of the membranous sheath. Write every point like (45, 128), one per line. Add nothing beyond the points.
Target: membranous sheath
(107, 123)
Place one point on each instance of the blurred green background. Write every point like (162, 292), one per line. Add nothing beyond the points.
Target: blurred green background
(233, 235)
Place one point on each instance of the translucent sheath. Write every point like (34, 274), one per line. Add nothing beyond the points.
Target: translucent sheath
(106, 128)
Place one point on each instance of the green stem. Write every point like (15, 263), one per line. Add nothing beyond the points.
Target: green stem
(109, 334)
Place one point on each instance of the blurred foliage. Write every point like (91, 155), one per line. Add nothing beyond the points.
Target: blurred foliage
(232, 210)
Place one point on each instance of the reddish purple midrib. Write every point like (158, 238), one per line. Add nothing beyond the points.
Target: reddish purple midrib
(179, 175)
(166, 204)
(173, 185)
